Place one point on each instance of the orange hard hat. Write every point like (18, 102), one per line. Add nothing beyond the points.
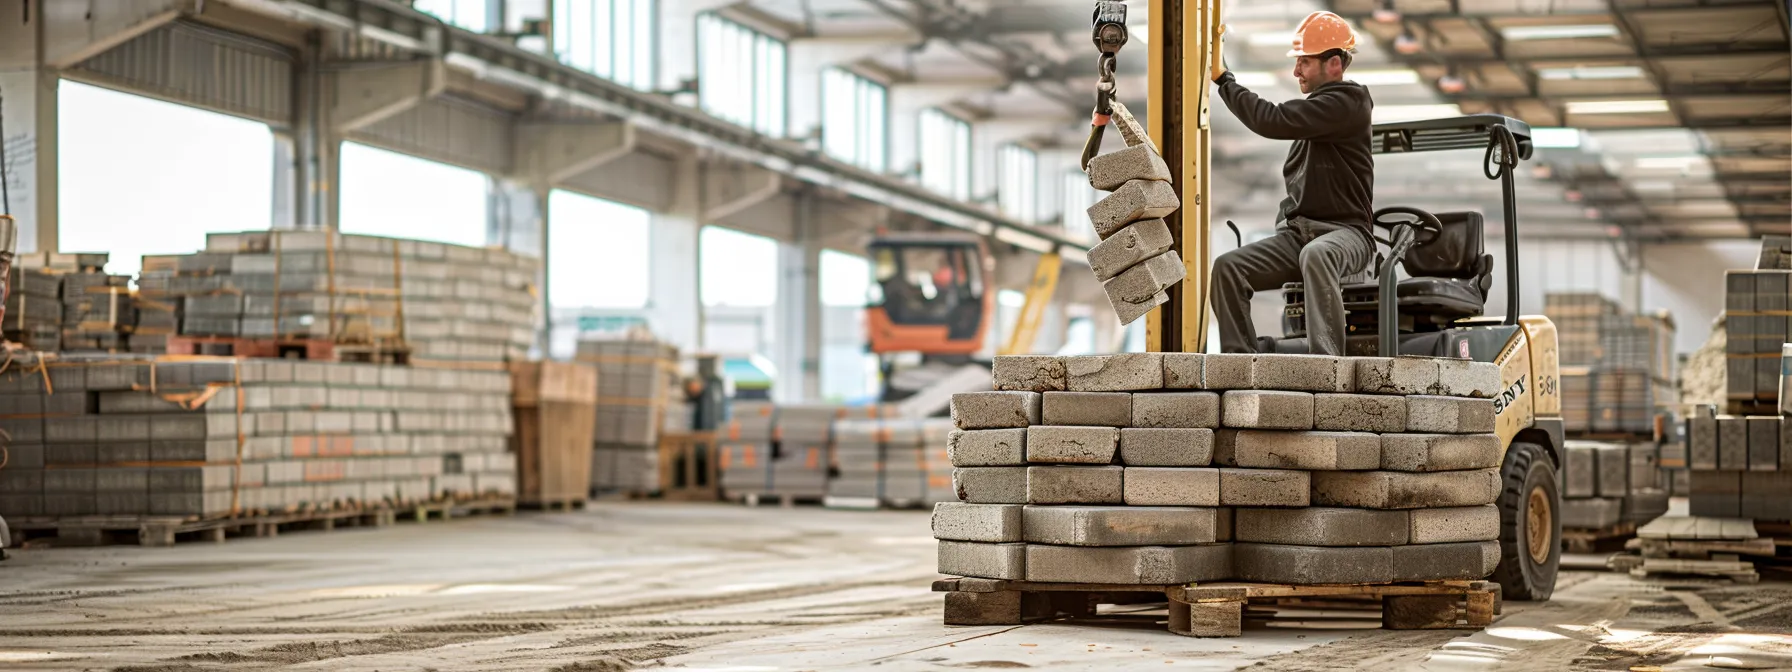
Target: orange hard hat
(1321, 32)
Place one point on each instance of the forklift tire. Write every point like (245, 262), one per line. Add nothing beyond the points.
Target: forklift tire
(1530, 524)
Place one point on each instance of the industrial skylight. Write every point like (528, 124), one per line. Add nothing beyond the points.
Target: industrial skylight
(1257, 78)
(1391, 113)
(1579, 72)
(1555, 138)
(1382, 77)
(1616, 106)
(1517, 33)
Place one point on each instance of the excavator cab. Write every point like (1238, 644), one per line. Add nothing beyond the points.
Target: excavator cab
(931, 294)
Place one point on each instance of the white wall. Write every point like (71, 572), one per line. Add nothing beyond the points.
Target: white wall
(1687, 279)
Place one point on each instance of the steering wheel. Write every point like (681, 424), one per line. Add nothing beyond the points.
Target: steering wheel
(1426, 226)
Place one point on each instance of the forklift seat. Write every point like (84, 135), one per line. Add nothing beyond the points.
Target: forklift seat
(1450, 275)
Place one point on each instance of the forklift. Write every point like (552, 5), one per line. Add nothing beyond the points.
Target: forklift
(1436, 312)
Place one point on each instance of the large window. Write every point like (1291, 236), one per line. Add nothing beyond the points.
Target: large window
(739, 269)
(469, 14)
(1078, 196)
(848, 372)
(391, 194)
(1018, 191)
(854, 119)
(598, 252)
(945, 154)
(608, 38)
(139, 176)
(740, 74)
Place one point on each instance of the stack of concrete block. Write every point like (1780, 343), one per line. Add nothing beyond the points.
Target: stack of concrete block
(124, 435)
(1604, 484)
(637, 387)
(1167, 468)
(1776, 253)
(878, 463)
(34, 308)
(1133, 261)
(936, 434)
(803, 453)
(1758, 322)
(1741, 465)
(66, 302)
(744, 449)
(447, 303)
(1617, 367)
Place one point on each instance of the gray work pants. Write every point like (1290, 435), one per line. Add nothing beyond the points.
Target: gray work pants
(1319, 255)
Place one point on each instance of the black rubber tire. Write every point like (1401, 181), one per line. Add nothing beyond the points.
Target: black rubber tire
(1520, 576)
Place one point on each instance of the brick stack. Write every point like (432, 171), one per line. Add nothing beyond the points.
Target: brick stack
(936, 434)
(637, 385)
(1604, 484)
(204, 438)
(34, 307)
(1169, 468)
(878, 463)
(1617, 368)
(804, 450)
(1134, 261)
(1758, 319)
(1776, 253)
(744, 449)
(447, 303)
(61, 302)
(1741, 465)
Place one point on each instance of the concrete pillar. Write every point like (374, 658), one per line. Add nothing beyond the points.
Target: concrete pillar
(28, 126)
(799, 312)
(676, 308)
(517, 220)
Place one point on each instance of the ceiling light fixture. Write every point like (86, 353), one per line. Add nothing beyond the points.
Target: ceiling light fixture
(1677, 163)
(1391, 113)
(1616, 106)
(1406, 44)
(1543, 137)
(1519, 33)
(1451, 84)
(1255, 77)
(1581, 72)
(1384, 77)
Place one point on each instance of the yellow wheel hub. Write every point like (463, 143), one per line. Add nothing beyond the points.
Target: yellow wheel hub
(1537, 525)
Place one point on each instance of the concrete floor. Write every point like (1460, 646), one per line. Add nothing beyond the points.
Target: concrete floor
(721, 587)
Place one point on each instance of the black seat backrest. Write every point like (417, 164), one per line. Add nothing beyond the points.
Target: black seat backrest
(1456, 252)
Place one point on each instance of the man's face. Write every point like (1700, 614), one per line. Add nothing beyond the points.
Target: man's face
(1311, 73)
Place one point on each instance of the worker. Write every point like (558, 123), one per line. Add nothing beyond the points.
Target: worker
(1322, 229)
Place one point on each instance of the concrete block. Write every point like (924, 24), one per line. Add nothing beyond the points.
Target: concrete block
(994, 410)
(1124, 372)
(71, 454)
(1129, 247)
(24, 456)
(1439, 452)
(1764, 443)
(71, 480)
(1614, 469)
(1715, 505)
(987, 447)
(1307, 450)
(1086, 409)
(1405, 490)
(1645, 464)
(1227, 371)
(1397, 375)
(1125, 525)
(1176, 409)
(1448, 415)
(1454, 524)
(1265, 487)
(1379, 413)
(1028, 373)
(1141, 288)
(989, 561)
(1302, 373)
(18, 481)
(1267, 409)
(1072, 445)
(1171, 486)
(1466, 378)
(1644, 506)
(990, 523)
(991, 485)
(1131, 202)
(1786, 442)
(1184, 370)
(1148, 565)
(1074, 485)
(1113, 170)
(121, 479)
(1591, 513)
(1322, 526)
(1145, 447)
(1732, 443)
(1444, 562)
(1580, 470)
(1279, 563)
(116, 453)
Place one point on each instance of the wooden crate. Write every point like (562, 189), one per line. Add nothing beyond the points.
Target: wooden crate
(555, 412)
(688, 469)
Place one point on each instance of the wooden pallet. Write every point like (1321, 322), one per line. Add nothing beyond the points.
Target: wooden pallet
(573, 504)
(460, 508)
(1219, 609)
(157, 531)
(1589, 540)
(1740, 571)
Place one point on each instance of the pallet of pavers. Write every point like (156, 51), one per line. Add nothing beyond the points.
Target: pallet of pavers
(1608, 489)
(878, 463)
(1699, 546)
(155, 447)
(1741, 465)
(1207, 481)
(744, 449)
(936, 434)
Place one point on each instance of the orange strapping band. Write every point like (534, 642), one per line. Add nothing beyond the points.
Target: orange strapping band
(1100, 119)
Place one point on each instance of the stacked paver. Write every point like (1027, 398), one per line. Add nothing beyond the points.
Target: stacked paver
(1741, 465)
(1604, 484)
(1169, 468)
(447, 303)
(803, 454)
(61, 302)
(204, 438)
(878, 462)
(1133, 261)
(1617, 368)
(744, 449)
(637, 385)
(1758, 319)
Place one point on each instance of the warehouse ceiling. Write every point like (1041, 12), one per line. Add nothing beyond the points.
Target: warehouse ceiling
(1684, 107)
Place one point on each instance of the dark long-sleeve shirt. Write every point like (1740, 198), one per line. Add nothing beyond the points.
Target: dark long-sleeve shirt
(1330, 171)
